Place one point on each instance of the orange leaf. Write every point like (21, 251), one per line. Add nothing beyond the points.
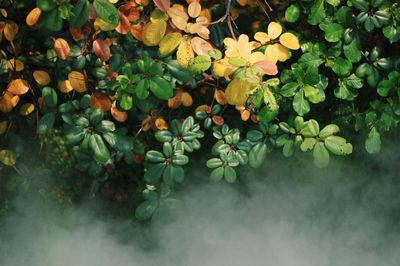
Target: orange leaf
(8, 101)
(27, 108)
(220, 97)
(33, 17)
(65, 86)
(77, 34)
(218, 120)
(77, 80)
(245, 114)
(136, 31)
(100, 101)
(124, 24)
(18, 87)
(15, 65)
(163, 5)
(160, 124)
(118, 115)
(10, 30)
(130, 11)
(101, 49)
(62, 48)
(176, 101)
(41, 77)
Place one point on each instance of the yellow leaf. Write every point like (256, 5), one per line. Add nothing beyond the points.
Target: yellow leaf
(262, 37)
(194, 9)
(276, 52)
(169, 42)
(187, 99)
(290, 41)
(15, 65)
(237, 92)
(184, 53)
(3, 12)
(27, 108)
(3, 127)
(153, 32)
(8, 157)
(65, 86)
(180, 23)
(202, 108)
(18, 87)
(101, 25)
(274, 30)
(41, 77)
(10, 30)
(77, 80)
(222, 68)
(200, 46)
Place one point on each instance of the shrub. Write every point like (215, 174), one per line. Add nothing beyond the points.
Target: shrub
(129, 90)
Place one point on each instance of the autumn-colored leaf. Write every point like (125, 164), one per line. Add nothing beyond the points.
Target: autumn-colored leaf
(245, 115)
(201, 46)
(269, 68)
(153, 32)
(41, 77)
(202, 108)
(77, 34)
(101, 101)
(176, 101)
(137, 31)
(194, 9)
(77, 81)
(27, 108)
(3, 127)
(184, 53)
(163, 5)
(18, 87)
(8, 101)
(65, 86)
(274, 30)
(118, 115)
(187, 99)
(146, 123)
(237, 92)
(101, 49)
(62, 49)
(169, 42)
(219, 96)
(15, 65)
(160, 124)
(10, 30)
(290, 41)
(123, 25)
(130, 11)
(33, 16)
(8, 157)
(218, 120)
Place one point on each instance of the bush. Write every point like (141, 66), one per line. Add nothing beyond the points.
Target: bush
(127, 91)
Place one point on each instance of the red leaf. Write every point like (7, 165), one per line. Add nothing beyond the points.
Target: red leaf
(101, 49)
(163, 5)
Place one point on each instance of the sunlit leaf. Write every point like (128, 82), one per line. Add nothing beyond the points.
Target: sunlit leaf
(274, 30)
(77, 81)
(169, 42)
(41, 77)
(18, 87)
(153, 32)
(185, 53)
(289, 40)
(62, 49)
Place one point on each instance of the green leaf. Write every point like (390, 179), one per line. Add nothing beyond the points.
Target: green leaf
(373, 141)
(292, 13)
(142, 89)
(96, 116)
(333, 32)
(229, 174)
(181, 74)
(106, 11)
(173, 173)
(308, 144)
(352, 51)
(49, 96)
(105, 126)
(155, 156)
(126, 102)
(80, 14)
(74, 135)
(145, 209)
(317, 12)
(180, 159)
(99, 149)
(46, 123)
(118, 141)
(311, 129)
(342, 67)
(199, 64)
(300, 103)
(289, 89)
(154, 172)
(338, 145)
(384, 87)
(161, 88)
(51, 20)
(217, 174)
(392, 33)
(288, 148)
(312, 93)
(321, 155)
(328, 131)
(257, 155)
(46, 5)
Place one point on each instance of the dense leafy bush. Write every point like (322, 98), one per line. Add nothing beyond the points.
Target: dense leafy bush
(127, 91)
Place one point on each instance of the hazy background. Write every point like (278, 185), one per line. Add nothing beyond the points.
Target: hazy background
(286, 214)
